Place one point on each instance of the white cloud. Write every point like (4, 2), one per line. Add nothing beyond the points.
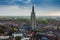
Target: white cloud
(26, 11)
(13, 11)
(47, 12)
(25, 1)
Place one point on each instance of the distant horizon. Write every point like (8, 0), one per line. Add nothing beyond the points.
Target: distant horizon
(29, 16)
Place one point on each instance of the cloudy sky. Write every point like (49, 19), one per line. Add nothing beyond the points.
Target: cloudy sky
(23, 7)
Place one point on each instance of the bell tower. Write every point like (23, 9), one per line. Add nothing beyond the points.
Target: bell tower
(33, 19)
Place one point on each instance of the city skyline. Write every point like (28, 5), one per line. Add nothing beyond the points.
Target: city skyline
(23, 7)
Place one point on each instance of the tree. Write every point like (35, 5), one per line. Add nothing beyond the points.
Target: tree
(18, 38)
(14, 29)
(42, 21)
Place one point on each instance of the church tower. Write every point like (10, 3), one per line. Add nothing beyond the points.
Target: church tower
(33, 19)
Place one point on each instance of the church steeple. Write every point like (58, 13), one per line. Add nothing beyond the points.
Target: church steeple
(33, 12)
(33, 8)
(33, 19)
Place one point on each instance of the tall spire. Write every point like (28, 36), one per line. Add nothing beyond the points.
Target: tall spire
(33, 19)
(33, 8)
